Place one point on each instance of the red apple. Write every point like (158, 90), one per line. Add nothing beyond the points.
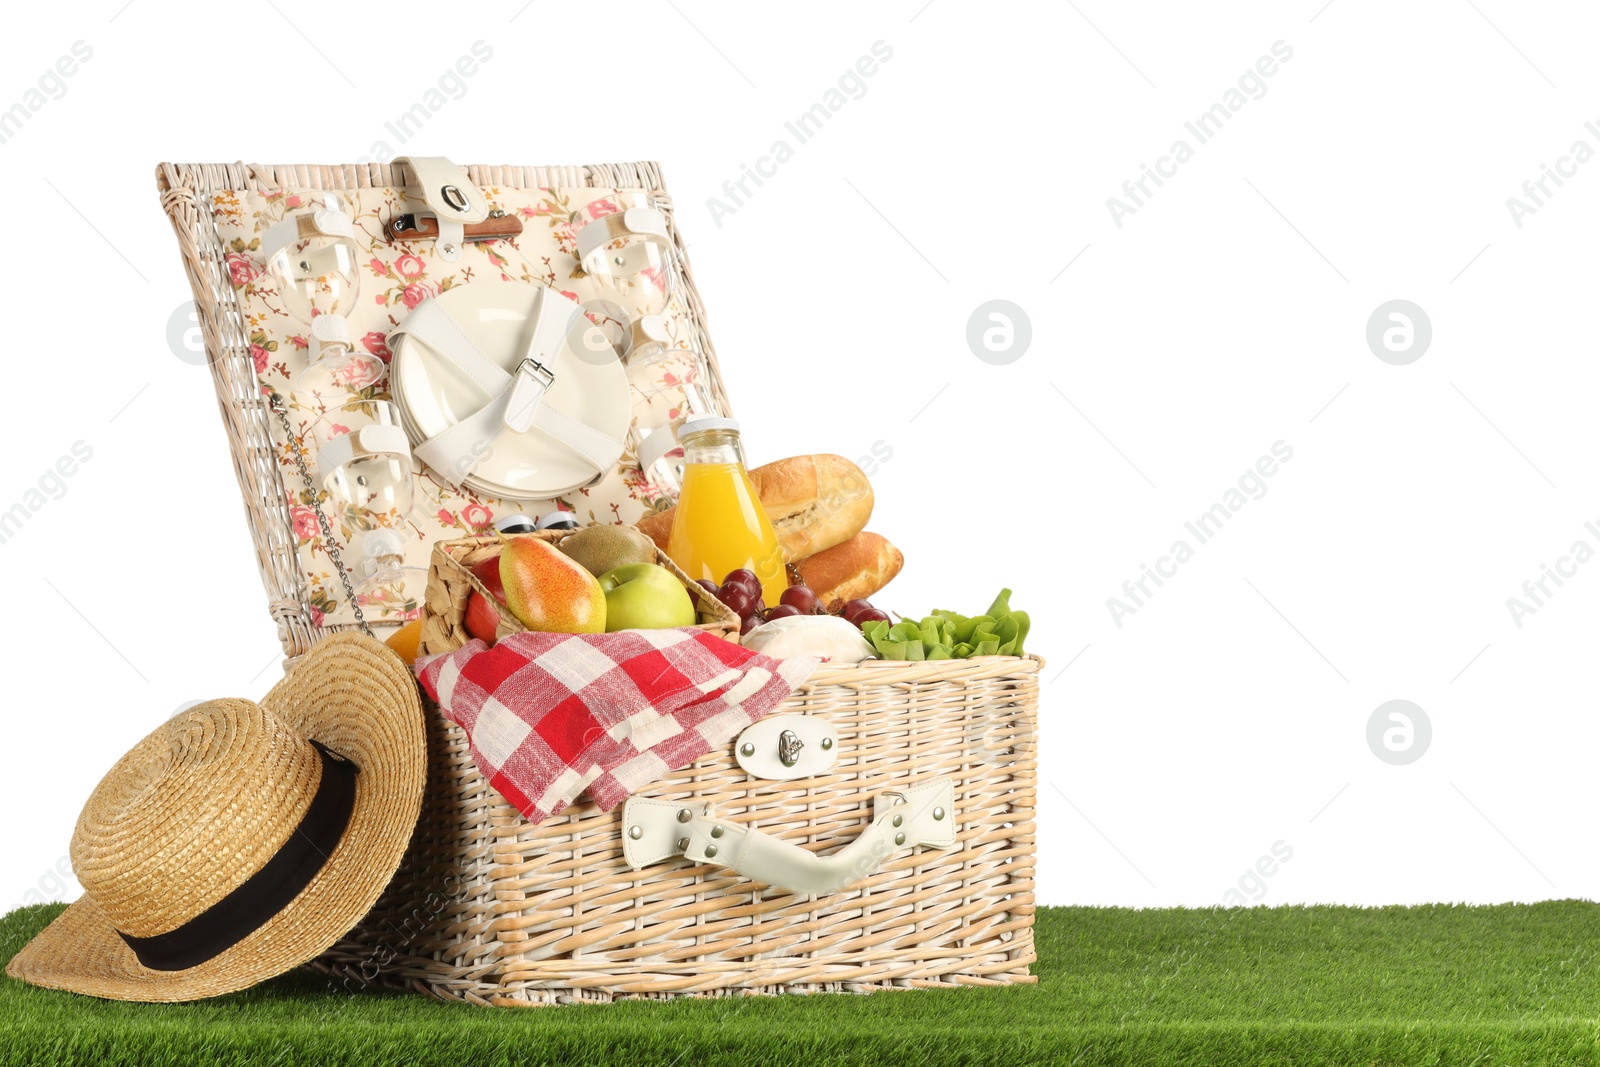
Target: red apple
(483, 615)
(488, 572)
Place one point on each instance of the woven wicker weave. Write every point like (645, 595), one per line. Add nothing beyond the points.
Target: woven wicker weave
(186, 189)
(491, 910)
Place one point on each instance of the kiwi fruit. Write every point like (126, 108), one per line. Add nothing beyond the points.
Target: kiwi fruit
(602, 548)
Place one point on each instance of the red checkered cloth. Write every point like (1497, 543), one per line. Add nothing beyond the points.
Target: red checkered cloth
(549, 715)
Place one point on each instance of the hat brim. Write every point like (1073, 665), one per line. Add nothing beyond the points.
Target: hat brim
(357, 698)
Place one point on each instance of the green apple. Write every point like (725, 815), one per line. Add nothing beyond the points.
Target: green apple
(644, 596)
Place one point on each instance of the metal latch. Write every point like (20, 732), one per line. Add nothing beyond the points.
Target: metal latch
(781, 747)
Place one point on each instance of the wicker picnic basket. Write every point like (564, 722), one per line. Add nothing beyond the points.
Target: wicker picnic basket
(492, 910)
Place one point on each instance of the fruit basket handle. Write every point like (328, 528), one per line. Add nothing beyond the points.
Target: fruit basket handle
(655, 830)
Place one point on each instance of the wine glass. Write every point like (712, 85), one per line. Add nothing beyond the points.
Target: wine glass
(365, 464)
(387, 584)
(668, 382)
(629, 255)
(312, 256)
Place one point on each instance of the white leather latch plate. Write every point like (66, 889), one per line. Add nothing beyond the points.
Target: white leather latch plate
(446, 189)
(808, 741)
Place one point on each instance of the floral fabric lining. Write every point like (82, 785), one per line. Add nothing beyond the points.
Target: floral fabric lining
(396, 277)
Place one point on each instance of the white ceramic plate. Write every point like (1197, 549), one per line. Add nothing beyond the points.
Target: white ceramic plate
(432, 396)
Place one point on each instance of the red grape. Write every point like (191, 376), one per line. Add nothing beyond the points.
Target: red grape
(743, 576)
(711, 587)
(867, 615)
(783, 611)
(800, 598)
(740, 600)
(853, 608)
(749, 624)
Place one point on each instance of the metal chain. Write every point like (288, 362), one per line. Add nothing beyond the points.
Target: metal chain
(322, 519)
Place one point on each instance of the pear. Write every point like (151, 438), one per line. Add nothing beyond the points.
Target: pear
(547, 591)
(604, 548)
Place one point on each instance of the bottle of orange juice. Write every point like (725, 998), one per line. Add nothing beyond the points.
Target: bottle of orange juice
(720, 525)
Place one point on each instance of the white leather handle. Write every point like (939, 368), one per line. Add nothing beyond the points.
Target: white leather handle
(655, 830)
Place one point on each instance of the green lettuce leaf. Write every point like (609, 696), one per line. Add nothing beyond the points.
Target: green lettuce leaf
(948, 635)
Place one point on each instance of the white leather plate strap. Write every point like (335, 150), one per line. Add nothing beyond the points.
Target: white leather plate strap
(654, 830)
(451, 198)
(515, 399)
(780, 747)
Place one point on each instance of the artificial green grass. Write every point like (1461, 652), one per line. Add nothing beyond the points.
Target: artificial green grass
(1434, 985)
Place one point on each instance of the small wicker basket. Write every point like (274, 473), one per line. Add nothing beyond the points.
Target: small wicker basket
(451, 584)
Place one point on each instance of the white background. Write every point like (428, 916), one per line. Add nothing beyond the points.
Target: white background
(1227, 314)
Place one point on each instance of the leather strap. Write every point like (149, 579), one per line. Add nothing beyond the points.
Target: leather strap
(446, 189)
(331, 221)
(328, 331)
(654, 444)
(452, 199)
(377, 439)
(271, 889)
(635, 222)
(516, 400)
(655, 830)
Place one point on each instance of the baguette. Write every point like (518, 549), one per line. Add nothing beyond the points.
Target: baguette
(857, 568)
(813, 502)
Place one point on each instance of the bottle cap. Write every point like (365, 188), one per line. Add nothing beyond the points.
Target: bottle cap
(557, 520)
(706, 422)
(517, 523)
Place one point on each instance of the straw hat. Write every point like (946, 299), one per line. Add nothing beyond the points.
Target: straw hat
(239, 840)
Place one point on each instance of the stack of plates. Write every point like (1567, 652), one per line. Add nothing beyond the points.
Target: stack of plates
(432, 395)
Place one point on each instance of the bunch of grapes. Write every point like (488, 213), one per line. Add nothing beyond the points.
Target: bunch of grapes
(741, 592)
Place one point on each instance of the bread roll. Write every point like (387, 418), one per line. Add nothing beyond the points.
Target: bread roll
(857, 568)
(658, 527)
(814, 503)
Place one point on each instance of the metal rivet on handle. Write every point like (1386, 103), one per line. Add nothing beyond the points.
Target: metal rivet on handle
(898, 819)
(747, 749)
(683, 843)
(716, 831)
(711, 850)
(827, 743)
(900, 839)
(636, 832)
(684, 814)
(938, 813)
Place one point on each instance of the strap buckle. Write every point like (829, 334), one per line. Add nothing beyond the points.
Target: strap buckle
(538, 370)
(528, 386)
